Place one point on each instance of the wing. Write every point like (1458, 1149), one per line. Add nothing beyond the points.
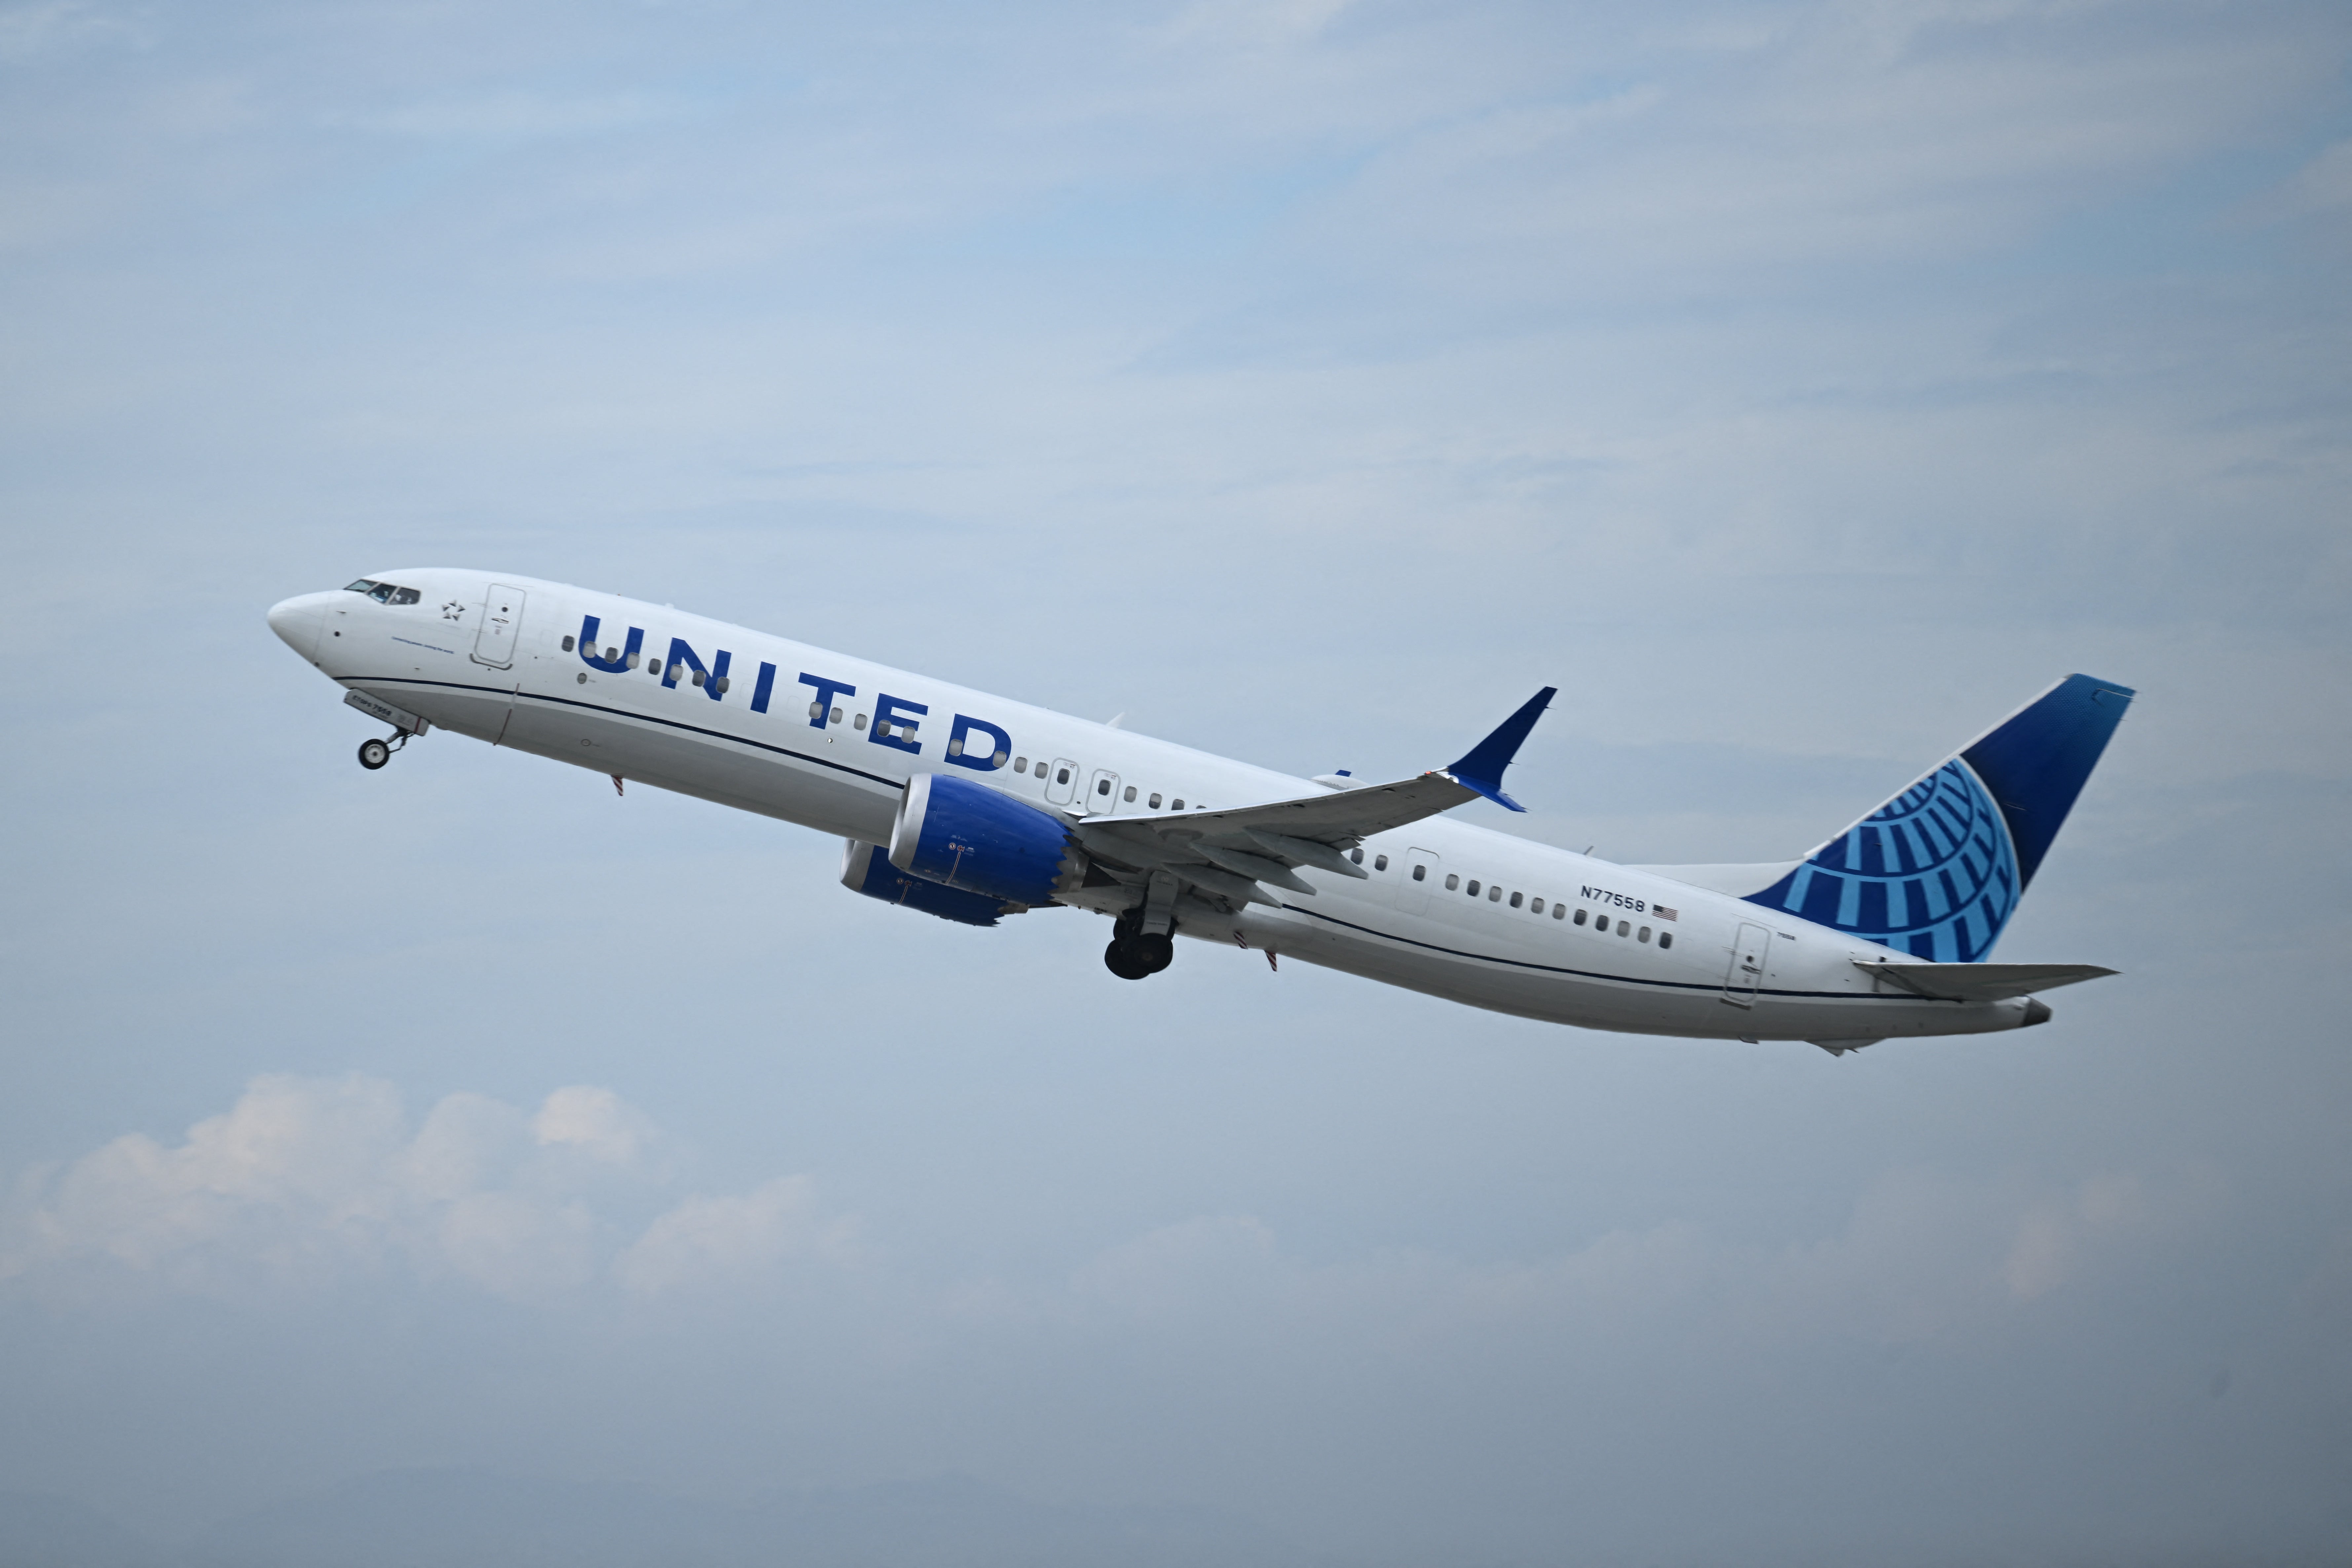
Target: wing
(1981, 981)
(1225, 855)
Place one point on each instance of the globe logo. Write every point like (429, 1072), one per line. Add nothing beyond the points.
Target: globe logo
(1933, 872)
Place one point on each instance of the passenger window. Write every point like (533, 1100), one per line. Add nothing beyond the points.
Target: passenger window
(1495, 893)
(1379, 863)
(1515, 901)
(1176, 804)
(1473, 887)
(1642, 935)
(718, 684)
(1624, 927)
(1420, 873)
(1560, 912)
(1665, 940)
(1019, 764)
(1580, 916)
(834, 717)
(1355, 857)
(1102, 786)
(1063, 776)
(567, 647)
(1129, 795)
(1452, 882)
(404, 595)
(1153, 803)
(1535, 906)
(698, 677)
(860, 722)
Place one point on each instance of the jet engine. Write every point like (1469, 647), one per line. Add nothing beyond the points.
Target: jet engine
(864, 868)
(971, 837)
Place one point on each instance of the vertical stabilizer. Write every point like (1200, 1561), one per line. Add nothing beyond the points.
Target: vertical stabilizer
(1937, 871)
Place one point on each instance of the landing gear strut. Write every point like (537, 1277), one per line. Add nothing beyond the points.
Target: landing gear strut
(1134, 952)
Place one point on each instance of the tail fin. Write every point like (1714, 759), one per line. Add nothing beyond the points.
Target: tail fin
(1937, 871)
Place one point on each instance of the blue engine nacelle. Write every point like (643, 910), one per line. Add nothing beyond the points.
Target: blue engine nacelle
(975, 840)
(864, 868)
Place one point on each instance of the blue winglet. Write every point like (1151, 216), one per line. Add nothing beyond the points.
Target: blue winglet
(1481, 768)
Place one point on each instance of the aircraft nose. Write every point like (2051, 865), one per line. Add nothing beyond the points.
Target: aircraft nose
(298, 622)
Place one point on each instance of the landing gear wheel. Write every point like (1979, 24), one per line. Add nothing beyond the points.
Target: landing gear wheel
(1122, 960)
(1155, 952)
(373, 754)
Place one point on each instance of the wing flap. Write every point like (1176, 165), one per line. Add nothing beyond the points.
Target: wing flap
(1338, 819)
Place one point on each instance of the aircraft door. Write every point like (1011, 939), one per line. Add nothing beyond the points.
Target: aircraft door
(1747, 972)
(1062, 783)
(494, 645)
(1420, 877)
(1102, 793)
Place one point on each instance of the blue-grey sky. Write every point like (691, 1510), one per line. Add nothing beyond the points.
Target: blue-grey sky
(1798, 387)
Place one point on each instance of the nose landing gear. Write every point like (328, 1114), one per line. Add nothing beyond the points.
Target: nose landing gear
(373, 754)
(405, 727)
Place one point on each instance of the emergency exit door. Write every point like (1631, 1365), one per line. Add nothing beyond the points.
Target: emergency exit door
(1102, 793)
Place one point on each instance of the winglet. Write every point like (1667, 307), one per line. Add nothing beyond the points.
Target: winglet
(1481, 768)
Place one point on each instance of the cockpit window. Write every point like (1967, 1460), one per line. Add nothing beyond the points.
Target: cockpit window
(362, 586)
(404, 596)
(383, 593)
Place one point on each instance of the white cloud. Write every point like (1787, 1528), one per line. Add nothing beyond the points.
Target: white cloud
(708, 1242)
(593, 1120)
(303, 1180)
(1920, 1260)
(2056, 1233)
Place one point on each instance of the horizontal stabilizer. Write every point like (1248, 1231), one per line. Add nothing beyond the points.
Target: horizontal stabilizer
(1981, 981)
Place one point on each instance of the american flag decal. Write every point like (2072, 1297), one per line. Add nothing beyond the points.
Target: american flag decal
(1664, 913)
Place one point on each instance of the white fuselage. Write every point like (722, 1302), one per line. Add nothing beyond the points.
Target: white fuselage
(766, 752)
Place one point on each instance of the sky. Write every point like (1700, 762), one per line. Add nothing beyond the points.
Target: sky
(1799, 387)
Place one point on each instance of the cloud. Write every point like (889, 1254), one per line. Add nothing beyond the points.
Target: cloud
(306, 1181)
(2055, 1234)
(1920, 1259)
(593, 1120)
(722, 1241)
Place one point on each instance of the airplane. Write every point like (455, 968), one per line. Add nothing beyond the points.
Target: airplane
(972, 807)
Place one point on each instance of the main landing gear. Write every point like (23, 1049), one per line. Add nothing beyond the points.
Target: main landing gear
(1135, 952)
(373, 754)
